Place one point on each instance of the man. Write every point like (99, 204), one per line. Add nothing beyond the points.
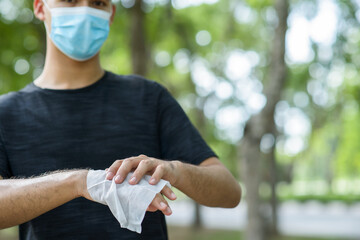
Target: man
(78, 116)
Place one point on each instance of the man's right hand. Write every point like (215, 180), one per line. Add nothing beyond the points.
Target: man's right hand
(159, 203)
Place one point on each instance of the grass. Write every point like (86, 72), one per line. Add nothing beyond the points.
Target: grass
(347, 199)
(181, 233)
(188, 233)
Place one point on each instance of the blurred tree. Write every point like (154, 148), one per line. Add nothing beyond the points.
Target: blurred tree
(138, 41)
(253, 161)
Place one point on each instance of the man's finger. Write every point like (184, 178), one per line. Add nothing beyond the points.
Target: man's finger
(113, 169)
(160, 203)
(151, 208)
(157, 175)
(127, 166)
(168, 193)
(145, 166)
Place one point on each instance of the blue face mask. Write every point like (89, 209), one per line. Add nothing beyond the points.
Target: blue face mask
(78, 32)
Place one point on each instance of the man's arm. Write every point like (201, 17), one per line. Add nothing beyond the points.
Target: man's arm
(24, 199)
(210, 184)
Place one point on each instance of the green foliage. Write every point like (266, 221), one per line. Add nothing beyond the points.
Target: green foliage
(348, 155)
(260, 3)
(348, 199)
(20, 41)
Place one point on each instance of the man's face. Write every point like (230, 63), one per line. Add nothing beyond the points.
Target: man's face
(105, 5)
(42, 13)
(92, 27)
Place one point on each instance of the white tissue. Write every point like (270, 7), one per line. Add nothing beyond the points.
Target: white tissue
(128, 203)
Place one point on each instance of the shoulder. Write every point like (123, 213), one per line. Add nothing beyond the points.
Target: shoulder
(13, 101)
(17, 98)
(10, 104)
(134, 82)
(9, 99)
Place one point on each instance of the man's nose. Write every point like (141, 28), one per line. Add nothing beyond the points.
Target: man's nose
(84, 3)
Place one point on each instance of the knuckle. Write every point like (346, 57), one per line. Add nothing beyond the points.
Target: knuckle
(141, 165)
(124, 168)
(127, 161)
(146, 162)
(131, 159)
(161, 167)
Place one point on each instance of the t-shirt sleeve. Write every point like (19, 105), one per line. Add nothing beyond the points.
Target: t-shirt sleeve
(4, 164)
(179, 139)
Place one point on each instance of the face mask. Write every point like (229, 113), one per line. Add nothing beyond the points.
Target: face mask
(78, 32)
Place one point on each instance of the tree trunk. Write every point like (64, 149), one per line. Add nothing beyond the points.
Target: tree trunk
(253, 161)
(273, 228)
(251, 175)
(201, 126)
(139, 50)
(197, 220)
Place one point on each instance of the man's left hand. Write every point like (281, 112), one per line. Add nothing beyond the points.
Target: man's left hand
(142, 165)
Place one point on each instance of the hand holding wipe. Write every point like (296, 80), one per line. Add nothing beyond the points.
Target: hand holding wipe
(128, 203)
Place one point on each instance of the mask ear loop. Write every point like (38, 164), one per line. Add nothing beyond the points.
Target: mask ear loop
(47, 6)
(112, 9)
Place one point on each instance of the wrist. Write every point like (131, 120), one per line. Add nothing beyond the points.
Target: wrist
(80, 186)
(177, 167)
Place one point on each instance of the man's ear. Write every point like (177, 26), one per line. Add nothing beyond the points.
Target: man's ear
(39, 10)
(113, 13)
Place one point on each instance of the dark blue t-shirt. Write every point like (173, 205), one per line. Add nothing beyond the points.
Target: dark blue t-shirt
(117, 117)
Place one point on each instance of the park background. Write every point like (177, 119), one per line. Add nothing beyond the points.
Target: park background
(272, 86)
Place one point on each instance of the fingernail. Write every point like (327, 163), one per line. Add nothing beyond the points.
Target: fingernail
(163, 205)
(133, 180)
(152, 181)
(118, 178)
(168, 210)
(109, 175)
(106, 170)
(172, 195)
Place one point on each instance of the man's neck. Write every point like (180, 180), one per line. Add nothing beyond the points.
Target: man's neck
(61, 72)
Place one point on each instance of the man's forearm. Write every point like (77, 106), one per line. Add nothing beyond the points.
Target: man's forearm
(24, 199)
(212, 185)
